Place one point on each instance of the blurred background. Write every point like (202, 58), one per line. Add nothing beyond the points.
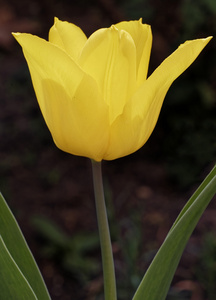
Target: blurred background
(51, 193)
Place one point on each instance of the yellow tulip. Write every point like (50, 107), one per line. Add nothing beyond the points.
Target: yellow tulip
(94, 93)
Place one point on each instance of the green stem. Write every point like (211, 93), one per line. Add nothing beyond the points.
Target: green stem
(105, 241)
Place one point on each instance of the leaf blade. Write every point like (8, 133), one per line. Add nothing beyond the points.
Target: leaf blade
(13, 284)
(158, 277)
(19, 250)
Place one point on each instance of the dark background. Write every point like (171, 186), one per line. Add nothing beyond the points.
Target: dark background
(51, 193)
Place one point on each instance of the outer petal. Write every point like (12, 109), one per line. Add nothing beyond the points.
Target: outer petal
(68, 37)
(69, 99)
(131, 130)
(51, 62)
(142, 36)
(124, 136)
(78, 126)
(109, 57)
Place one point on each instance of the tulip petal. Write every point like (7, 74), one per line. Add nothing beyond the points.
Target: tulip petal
(69, 99)
(109, 56)
(50, 62)
(68, 37)
(73, 122)
(142, 36)
(132, 129)
(124, 136)
(151, 94)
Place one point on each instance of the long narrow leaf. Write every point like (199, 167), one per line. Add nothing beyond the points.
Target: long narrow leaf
(202, 186)
(13, 285)
(158, 277)
(19, 250)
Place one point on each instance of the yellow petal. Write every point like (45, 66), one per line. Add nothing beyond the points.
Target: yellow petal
(50, 62)
(142, 36)
(69, 99)
(132, 129)
(109, 57)
(68, 37)
(79, 125)
(157, 85)
(124, 136)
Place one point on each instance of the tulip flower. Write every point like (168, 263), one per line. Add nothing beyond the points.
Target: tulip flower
(94, 93)
(98, 102)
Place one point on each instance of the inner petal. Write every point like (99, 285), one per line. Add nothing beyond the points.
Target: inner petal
(68, 37)
(109, 56)
(142, 36)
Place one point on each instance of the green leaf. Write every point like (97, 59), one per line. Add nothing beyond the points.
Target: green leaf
(200, 189)
(158, 277)
(13, 284)
(20, 253)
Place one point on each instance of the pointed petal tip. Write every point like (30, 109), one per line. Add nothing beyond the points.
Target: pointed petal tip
(16, 35)
(19, 36)
(56, 20)
(113, 28)
(209, 38)
(202, 42)
(206, 40)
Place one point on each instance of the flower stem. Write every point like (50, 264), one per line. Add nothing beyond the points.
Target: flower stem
(105, 241)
